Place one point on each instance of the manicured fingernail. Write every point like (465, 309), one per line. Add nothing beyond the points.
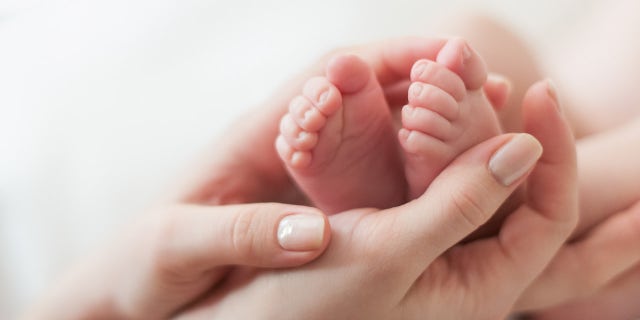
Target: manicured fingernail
(301, 232)
(514, 159)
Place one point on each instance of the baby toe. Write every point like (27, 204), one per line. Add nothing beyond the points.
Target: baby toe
(424, 95)
(438, 75)
(324, 96)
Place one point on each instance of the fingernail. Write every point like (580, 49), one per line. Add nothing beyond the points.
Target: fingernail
(515, 158)
(552, 91)
(301, 232)
(322, 97)
(466, 52)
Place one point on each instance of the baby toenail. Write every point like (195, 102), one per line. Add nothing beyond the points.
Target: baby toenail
(322, 98)
(307, 115)
(409, 110)
(418, 69)
(302, 135)
(416, 88)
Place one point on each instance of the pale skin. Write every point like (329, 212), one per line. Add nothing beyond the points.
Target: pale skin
(591, 123)
(405, 280)
(601, 102)
(596, 205)
(339, 143)
(269, 182)
(335, 185)
(372, 267)
(321, 134)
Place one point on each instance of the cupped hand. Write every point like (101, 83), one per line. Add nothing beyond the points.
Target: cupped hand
(404, 262)
(596, 276)
(168, 259)
(618, 299)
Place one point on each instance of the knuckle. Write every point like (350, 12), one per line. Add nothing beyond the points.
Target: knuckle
(469, 207)
(242, 232)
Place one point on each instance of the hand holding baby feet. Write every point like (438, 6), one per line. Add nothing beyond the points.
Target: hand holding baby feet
(337, 140)
(444, 117)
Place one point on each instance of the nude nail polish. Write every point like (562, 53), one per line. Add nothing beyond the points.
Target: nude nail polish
(515, 158)
(301, 232)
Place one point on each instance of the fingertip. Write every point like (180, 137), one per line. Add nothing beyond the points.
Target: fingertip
(497, 89)
(515, 158)
(301, 237)
(302, 231)
(462, 59)
(554, 182)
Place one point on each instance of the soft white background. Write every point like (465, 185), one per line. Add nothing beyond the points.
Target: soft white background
(103, 102)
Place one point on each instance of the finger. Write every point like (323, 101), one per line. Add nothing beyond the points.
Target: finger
(497, 89)
(532, 234)
(463, 197)
(553, 189)
(459, 57)
(619, 300)
(585, 266)
(194, 239)
(392, 59)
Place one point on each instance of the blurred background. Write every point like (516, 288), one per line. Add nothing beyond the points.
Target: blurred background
(102, 103)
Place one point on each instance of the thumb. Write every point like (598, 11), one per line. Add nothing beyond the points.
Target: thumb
(195, 238)
(464, 196)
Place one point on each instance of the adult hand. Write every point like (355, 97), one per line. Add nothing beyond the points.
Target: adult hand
(170, 258)
(616, 300)
(404, 262)
(596, 276)
(604, 250)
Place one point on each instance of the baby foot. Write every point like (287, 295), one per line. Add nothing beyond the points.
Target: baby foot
(443, 117)
(337, 140)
